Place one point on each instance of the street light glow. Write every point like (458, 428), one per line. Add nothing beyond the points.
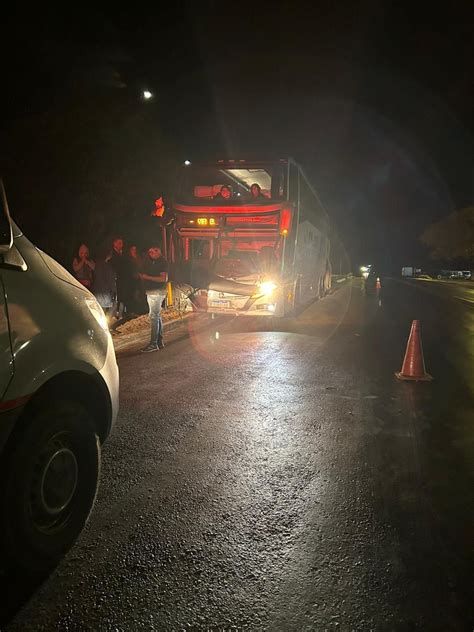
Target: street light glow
(147, 94)
(187, 163)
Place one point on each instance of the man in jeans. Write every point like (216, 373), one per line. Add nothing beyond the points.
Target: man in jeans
(154, 275)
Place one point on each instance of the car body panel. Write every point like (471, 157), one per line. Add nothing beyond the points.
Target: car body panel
(51, 329)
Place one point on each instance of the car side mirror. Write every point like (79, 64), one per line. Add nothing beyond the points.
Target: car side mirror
(6, 228)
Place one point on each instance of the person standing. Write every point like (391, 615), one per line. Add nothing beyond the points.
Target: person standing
(135, 299)
(159, 209)
(83, 267)
(104, 287)
(154, 275)
(119, 264)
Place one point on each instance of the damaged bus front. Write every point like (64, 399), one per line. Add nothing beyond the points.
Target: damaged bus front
(243, 240)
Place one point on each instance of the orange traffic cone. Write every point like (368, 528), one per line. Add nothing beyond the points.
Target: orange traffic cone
(378, 285)
(413, 367)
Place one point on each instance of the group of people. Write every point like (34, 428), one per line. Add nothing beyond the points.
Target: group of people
(226, 193)
(126, 284)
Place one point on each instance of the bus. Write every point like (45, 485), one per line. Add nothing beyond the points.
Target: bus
(249, 237)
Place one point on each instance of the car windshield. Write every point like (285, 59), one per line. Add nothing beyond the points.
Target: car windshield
(215, 185)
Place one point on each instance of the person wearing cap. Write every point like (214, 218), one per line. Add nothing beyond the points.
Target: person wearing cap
(154, 274)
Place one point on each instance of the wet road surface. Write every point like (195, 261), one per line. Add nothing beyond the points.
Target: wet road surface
(284, 479)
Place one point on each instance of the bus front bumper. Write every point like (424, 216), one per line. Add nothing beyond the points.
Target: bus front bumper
(220, 303)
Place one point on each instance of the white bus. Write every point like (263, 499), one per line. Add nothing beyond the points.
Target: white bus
(244, 249)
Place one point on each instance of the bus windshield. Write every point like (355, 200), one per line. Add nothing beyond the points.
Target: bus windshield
(217, 185)
(236, 264)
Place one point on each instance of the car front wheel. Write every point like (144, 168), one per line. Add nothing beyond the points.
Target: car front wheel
(48, 486)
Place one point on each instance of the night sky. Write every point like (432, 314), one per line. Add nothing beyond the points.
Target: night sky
(373, 99)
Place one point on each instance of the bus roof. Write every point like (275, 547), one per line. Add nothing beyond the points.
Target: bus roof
(239, 162)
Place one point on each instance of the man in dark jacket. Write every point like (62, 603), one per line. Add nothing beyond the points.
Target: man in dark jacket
(119, 264)
(154, 275)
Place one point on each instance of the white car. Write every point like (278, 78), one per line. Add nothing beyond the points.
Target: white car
(58, 402)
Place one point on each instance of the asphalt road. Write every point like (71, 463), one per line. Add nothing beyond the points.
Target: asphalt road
(458, 290)
(284, 479)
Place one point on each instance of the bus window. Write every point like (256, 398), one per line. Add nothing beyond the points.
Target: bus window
(278, 190)
(293, 184)
(200, 186)
(237, 263)
(307, 210)
(311, 209)
(200, 249)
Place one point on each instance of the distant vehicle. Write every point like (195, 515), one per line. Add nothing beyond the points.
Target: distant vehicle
(454, 274)
(425, 277)
(410, 271)
(445, 274)
(58, 402)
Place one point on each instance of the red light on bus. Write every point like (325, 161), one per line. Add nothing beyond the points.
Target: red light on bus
(285, 221)
(253, 219)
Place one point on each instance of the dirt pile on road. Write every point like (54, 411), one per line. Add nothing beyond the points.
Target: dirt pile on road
(143, 322)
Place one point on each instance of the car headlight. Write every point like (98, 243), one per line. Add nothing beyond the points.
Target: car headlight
(267, 287)
(98, 313)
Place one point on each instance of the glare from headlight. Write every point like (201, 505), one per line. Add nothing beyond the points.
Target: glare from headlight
(98, 313)
(267, 287)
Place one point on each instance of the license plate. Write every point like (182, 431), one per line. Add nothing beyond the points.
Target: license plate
(220, 303)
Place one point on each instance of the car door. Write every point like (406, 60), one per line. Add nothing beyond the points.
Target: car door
(6, 357)
(6, 242)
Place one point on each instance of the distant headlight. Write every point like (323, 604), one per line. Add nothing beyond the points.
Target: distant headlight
(267, 287)
(98, 313)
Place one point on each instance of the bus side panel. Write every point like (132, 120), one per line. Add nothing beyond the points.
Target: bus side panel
(311, 260)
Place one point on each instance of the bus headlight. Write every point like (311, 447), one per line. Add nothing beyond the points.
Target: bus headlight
(267, 287)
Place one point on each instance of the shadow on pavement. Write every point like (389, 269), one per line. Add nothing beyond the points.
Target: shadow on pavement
(15, 591)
